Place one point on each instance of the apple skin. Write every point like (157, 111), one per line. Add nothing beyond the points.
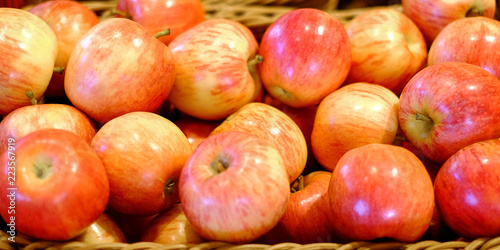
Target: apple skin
(112, 81)
(196, 130)
(380, 191)
(306, 54)
(69, 20)
(457, 105)
(431, 16)
(474, 40)
(103, 230)
(234, 187)
(28, 119)
(28, 58)
(171, 227)
(213, 76)
(467, 187)
(51, 168)
(271, 124)
(366, 110)
(387, 49)
(142, 153)
(158, 15)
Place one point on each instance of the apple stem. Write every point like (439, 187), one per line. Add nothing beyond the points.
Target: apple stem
(255, 60)
(169, 186)
(162, 33)
(121, 13)
(220, 165)
(59, 70)
(422, 117)
(31, 96)
(299, 182)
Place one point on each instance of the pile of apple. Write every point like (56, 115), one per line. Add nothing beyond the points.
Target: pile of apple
(178, 129)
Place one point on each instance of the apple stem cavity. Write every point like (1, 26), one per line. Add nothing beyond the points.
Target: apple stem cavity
(31, 96)
(162, 33)
(257, 59)
(219, 165)
(42, 170)
(59, 70)
(121, 13)
(298, 184)
(169, 186)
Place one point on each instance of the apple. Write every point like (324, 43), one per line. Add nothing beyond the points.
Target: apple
(275, 127)
(55, 185)
(432, 16)
(171, 227)
(28, 58)
(234, 187)
(158, 15)
(143, 154)
(306, 55)
(352, 116)
(448, 106)
(474, 40)
(380, 191)
(467, 187)
(69, 20)
(215, 67)
(103, 230)
(196, 130)
(118, 67)
(28, 119)
(387, 49)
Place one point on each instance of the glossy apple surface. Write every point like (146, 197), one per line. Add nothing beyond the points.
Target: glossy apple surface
(103, 230)
(143, 154)
(448, 106)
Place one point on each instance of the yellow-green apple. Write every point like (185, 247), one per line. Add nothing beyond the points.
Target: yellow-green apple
(474, 40)
(143, 154)
(171, 227)
(133, 226)
(305, 219)
(158, 15)
(103, 230)
(274, 126)
(448, 106)
(431, 16)
(380, 191)
(196, 130)
(55, 185)
(118, 67)
(467, 187)
(387, 49)
(28, 119)
(69, 20)
(234, 187)
(28, 47)
(215, 67)
(306, 55)
(352, 116)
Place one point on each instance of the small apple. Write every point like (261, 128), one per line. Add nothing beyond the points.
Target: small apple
(103, 230)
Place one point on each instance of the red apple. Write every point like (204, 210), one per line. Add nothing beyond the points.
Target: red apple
(474, 40)
(118, 67)
(352, 116)
(69, 20)
(54, 185)
(158, 15)
(380, 191)
(28, 47)
(467, 190)
(275, 127)
(103, 230)
(143, 154)
(196, 130)
(234, 187)
(306, 56)
(215, 71)
(171, 227)
(431, 16)
(28, 119)
(448, 106)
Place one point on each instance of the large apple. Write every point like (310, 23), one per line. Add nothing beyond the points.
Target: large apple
(474, 40)
(158, 15)
(467, 190)
(275, 127)
(352, 116)
(118, 67)
(69, 20)
(234, 187)
(54, 185)
(215, 67)
(387, 49)
(28, 47)
(431, 16)
(380, 191)
(103, 230)
(28, 119)
(306, 54)
(448, 106)
(143, 154)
